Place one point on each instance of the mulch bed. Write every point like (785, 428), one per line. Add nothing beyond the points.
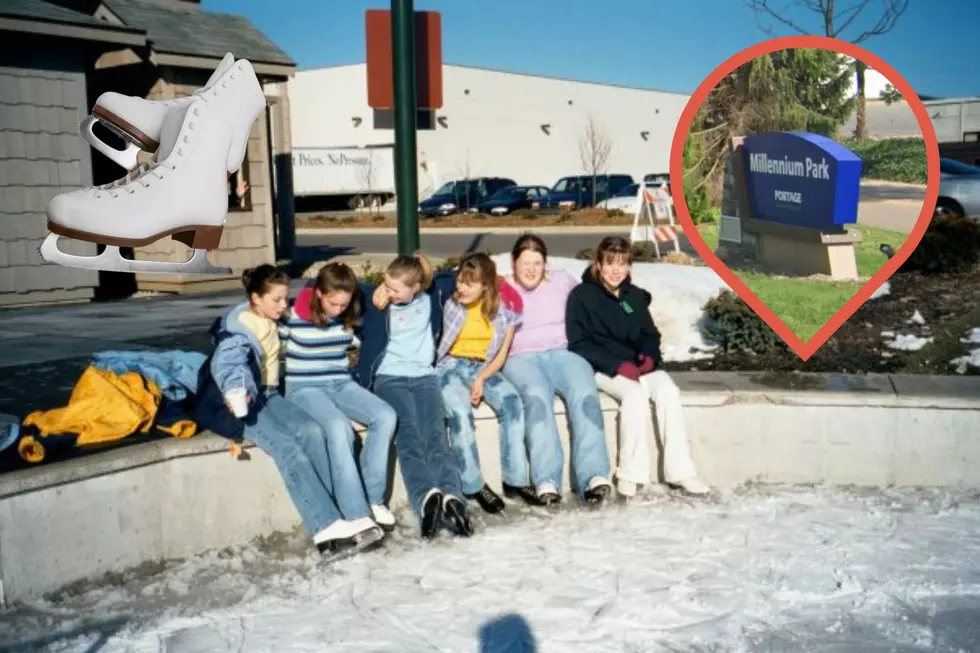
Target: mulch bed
(582, 218)
(949, 304)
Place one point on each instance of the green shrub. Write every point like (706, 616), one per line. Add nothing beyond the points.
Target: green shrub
(349, 219)
(951, 244)
(891, 159)
(735, 327)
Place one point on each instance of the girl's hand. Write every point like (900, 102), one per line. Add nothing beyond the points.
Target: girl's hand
(380, 298)
(476, 394)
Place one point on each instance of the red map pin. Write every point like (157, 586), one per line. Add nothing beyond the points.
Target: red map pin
(792, 182)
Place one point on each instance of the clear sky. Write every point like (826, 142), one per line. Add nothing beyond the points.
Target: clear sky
(657, 44)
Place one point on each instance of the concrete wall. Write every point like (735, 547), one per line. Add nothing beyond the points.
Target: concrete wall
(894, 120)
(493, 122)
(176, 498)
(42, 100)
(953, 118)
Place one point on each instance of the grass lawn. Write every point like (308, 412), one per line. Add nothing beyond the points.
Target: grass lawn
(805, 305)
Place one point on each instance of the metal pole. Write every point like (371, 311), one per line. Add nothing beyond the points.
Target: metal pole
(406, 107)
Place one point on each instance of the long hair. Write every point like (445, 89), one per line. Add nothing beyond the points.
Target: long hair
(260, 280)
(480, 268)
(336, 277)
(412, 269)
(610, 249)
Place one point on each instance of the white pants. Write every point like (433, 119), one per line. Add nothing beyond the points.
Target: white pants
(636, 420)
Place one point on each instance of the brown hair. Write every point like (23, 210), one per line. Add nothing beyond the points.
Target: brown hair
(260, 280)
(610, 249)
(412, 269)
(480, 268)
(529, 243)
(336, 277)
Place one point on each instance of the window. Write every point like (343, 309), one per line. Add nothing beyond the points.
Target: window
(953, 167)
(240, 189)
(971, 137)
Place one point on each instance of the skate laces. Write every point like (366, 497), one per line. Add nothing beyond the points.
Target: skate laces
(140, 177)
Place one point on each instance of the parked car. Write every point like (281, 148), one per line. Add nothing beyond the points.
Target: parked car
(625, 200)
(461, 195)
(576, 192)
(959, 188)
(513, 198)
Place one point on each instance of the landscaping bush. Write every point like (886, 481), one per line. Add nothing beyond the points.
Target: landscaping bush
(735, 327)
(891, 159)
(951, 244)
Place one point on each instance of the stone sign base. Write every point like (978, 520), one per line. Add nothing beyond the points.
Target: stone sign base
(797, 251)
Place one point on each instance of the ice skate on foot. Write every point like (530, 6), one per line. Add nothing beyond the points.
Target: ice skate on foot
(431, 514)
(597, 491)
(137, 121)
(548, 495)
(692, 485)
(383, 517)
(183, 195)
(489, 500)
(455, 516)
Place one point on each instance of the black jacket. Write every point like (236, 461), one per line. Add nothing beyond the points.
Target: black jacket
(607, 330)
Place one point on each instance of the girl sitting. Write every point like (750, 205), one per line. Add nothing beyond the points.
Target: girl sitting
(609, 324)
(319, 333)
(239, 396)
(477, 331)
(399, 334)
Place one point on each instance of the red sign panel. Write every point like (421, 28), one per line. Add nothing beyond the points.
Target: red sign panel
(428, 59)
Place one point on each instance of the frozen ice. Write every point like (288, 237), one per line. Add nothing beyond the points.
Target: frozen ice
(758, 569)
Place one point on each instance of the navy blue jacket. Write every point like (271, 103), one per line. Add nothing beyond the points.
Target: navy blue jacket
(375, 329)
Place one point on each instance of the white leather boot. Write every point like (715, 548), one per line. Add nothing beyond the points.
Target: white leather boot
(138, 121)
(184, 194)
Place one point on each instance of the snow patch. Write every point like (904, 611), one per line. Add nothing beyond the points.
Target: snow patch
(882, 290)
(908, 342)
(679, 295)
(972, 357)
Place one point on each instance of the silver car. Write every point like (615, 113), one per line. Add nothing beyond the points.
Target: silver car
(959, 188)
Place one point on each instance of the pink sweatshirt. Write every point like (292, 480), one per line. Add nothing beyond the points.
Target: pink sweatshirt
(543, 326)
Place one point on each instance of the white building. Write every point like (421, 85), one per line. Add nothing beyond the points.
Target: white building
(523, 127)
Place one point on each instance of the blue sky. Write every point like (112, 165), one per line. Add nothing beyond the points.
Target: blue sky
(658, 44)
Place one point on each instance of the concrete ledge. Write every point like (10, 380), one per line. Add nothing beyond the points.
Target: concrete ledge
(78, 519)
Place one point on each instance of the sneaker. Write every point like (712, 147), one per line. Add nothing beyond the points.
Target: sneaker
(383, 517)
(489, 500)
(456, 517)
(525, 493)
(431, 513)
(626, 488)
(598, 490)
(693, 485)
(548, 494)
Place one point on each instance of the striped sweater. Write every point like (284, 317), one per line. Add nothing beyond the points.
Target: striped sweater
(313, 354)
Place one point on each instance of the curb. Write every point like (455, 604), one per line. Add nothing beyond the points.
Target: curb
(334, 231)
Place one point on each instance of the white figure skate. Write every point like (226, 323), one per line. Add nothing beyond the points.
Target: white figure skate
(138, 121)
(184, 194)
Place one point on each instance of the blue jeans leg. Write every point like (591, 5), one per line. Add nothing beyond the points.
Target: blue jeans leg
(462, 426)
(504, 399)
(333, 455)
(574, 380)
(527, 373)
(271, 428)
(424, 455)
(365, 407)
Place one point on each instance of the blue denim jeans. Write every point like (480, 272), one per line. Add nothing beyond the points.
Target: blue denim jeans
(456, 377)
(333, 405)
(294, 441)
(538, 376)
(424, 455)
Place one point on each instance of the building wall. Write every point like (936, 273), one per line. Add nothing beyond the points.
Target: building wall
(953, 118)
(42, 100)
(894, 120)
(247, 238)
(493, 122)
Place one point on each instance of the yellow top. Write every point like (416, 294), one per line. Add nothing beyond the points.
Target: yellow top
(266, 331)
(475, 336)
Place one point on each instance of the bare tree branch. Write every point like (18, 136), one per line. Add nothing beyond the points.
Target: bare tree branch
(594, 148)
(836, 20)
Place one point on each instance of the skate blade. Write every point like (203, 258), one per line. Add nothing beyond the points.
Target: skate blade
(126, 158)
(111, 260)
(369, 542)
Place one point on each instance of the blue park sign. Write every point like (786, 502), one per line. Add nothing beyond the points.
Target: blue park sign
(801, 179)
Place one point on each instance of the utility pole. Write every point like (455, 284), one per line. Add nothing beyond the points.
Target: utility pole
(406, 111)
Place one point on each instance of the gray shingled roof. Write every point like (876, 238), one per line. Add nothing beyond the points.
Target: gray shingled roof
(194, 32)
(45, 11)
